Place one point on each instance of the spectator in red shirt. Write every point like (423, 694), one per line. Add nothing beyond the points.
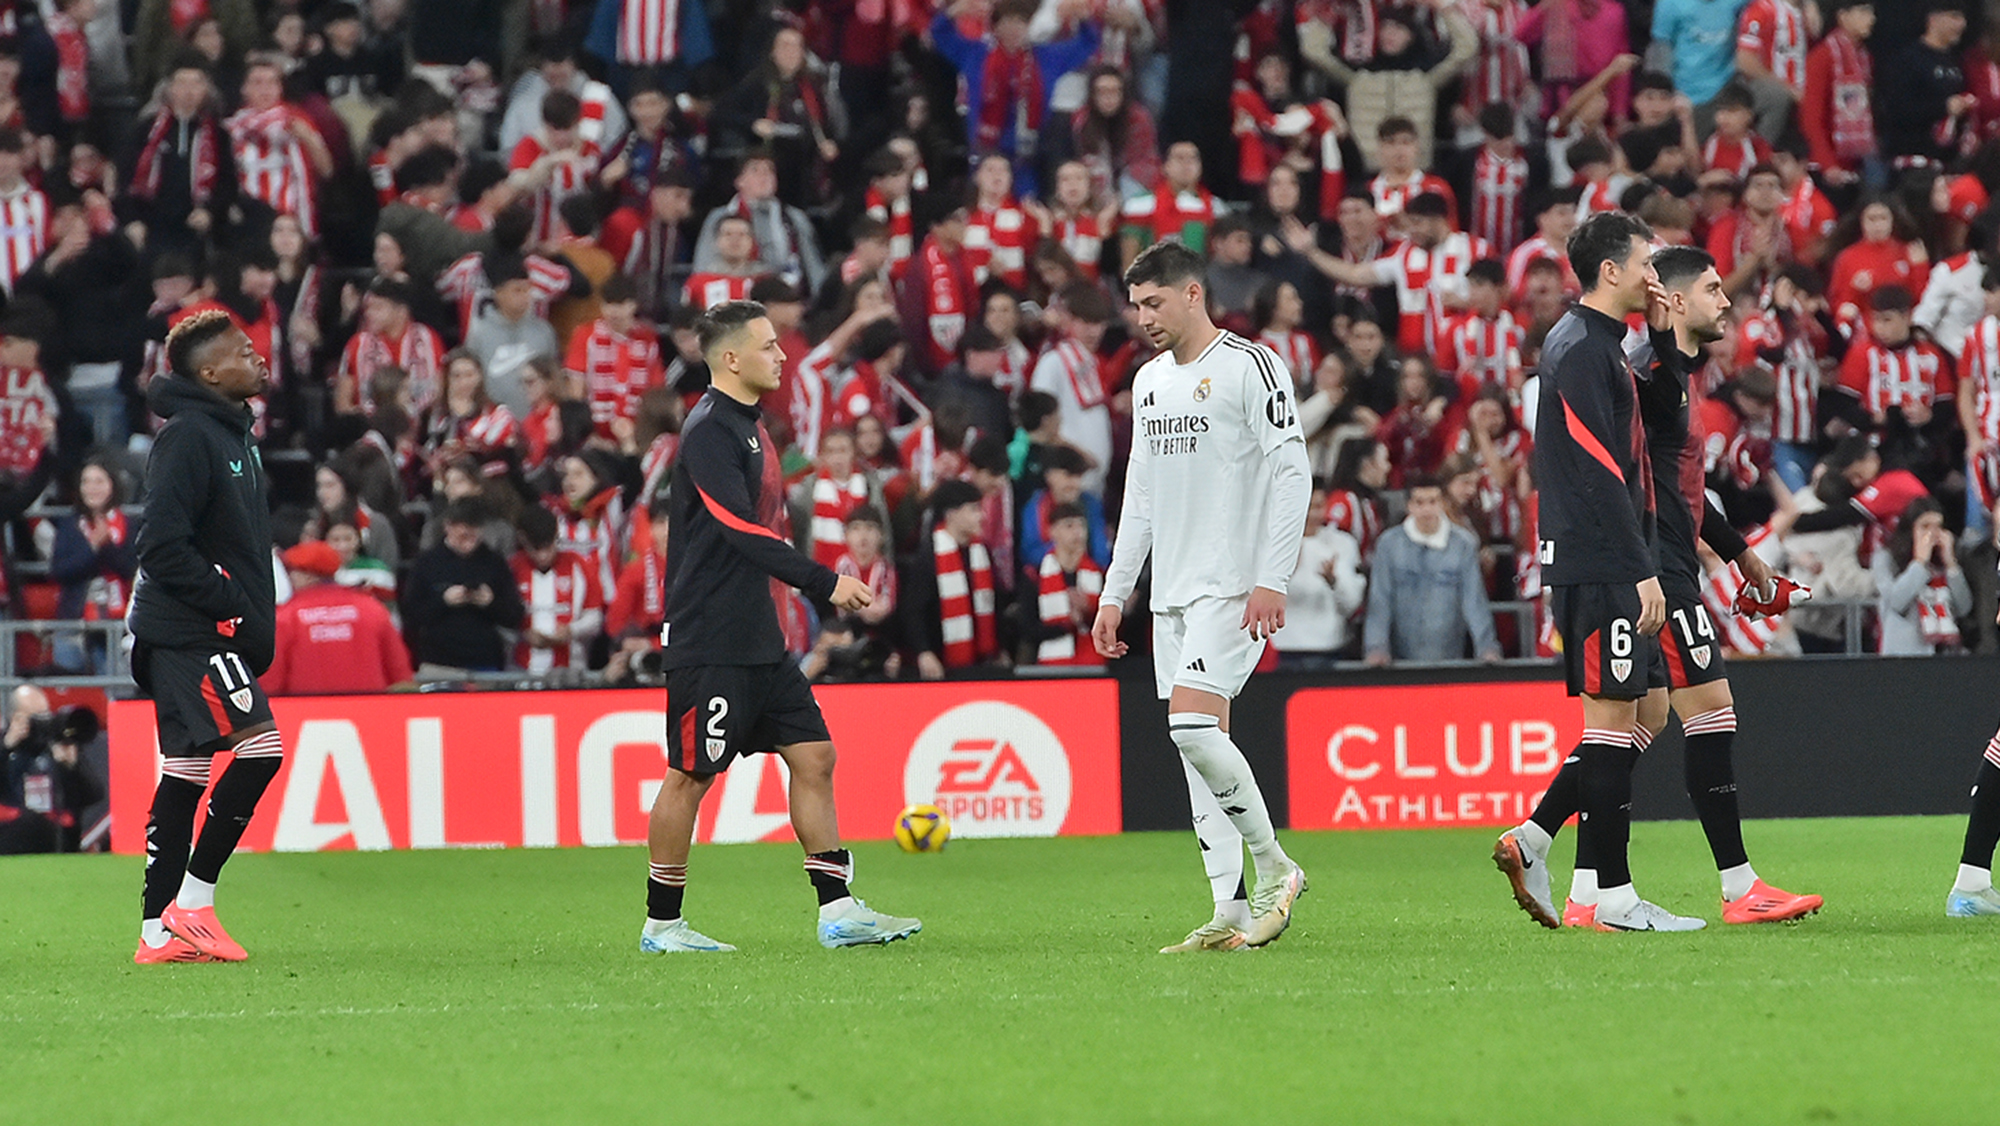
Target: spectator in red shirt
(332, 640)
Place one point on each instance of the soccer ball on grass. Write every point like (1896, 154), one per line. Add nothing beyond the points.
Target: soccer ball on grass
(922, 828)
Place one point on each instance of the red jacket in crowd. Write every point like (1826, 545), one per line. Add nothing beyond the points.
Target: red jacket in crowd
(333, 641)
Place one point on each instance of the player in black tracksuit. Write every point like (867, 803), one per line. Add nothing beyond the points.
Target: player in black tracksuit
(1687, 670)
(204, 621)
(1596, 557)
(732, 689)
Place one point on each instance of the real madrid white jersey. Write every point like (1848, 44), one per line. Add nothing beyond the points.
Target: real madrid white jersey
(1204, 492)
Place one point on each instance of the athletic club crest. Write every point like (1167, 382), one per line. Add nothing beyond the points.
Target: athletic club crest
(1700, 655)
(242, 699)
(1621, 668)
(716, 748)
(1201, 391)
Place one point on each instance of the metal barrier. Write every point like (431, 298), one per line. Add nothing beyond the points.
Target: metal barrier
(116, 680)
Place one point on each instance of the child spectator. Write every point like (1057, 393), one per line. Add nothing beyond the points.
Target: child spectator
(950, 615)
(1555, 221)
(1402, 178)
(332, 640)
(590, 515)
(887, 201)
(510, 334)
(1070, 372)
(616, 359)
(1067, 582)
(553, 163)
(1075, 220)
(837, 490)
(562, 602)
(389, 337)
(1278, 313)
(999, 232)
(1482, 347)
(1499, 177)
(864, 537)
(1904, 386)
(1733, 148)
(1063, 471)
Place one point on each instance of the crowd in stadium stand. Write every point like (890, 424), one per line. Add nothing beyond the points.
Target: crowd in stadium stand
(472, 238)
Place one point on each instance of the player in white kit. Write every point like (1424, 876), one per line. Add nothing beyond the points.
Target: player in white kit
(1216, 492)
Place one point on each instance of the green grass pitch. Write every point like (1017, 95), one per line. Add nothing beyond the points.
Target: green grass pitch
(502, 987)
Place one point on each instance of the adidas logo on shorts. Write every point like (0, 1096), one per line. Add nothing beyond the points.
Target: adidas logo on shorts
(1196, 665)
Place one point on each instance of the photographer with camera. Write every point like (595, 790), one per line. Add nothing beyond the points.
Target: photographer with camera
(46, 786)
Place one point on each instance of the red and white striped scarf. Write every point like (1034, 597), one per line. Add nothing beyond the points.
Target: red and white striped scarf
(965, 601)
(1170, 216)
(997, 241)
(833, 501)
(72, 68)
(24, 232)
(1296, 349)
(879, 575)
(416, 352)
(1080, 365)
(1934, 617)
(1082, 238)
(107, 602)
(902, 228)
(203, 160)
(1073, 645)
(1010, 92)
(1500, 71)
(1853, 122)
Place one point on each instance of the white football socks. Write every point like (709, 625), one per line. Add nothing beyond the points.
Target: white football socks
(1616, 902)
(1535, 837)
(1737, 882)
(1583, 887)
(1221, 844)
(195, 894)
(1222, 766)
(1972, 880)
(153, 933)
(657, 927)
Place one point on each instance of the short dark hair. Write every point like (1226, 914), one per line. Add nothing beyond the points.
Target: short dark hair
(1735, 95)
(1428, 205)
(1762, 168)
(989, 453)
(979, 338)
(537, 526)
(877, 338)
(1849, 450)
(617, 289)
(1416, 481)
(1497, 120)
(1068, 511)
(512, 226)
(1034, 408)
(427, 167)
(191, 335)
(1893, 299)
(773, 290)
(867, 227)
(1168, 262)
(1679, 265)
(1654, 80)
(1395, 126)
(465, 511)
(1757, 384)
(580, 214)
(865, 514)
(1066, 459)
(561, 109)
(953, 494)
(1488, 270)
(480, 177)
(1226, 225)
(1589, 150)
(1087, 302)
(724, 321)
(1604, 237)
(12, 140)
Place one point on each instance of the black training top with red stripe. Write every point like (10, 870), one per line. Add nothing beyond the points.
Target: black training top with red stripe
(1676, 452)
(1594, 485)
(726, 542)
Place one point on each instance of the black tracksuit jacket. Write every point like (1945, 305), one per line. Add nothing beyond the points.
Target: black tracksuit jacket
(205, 573)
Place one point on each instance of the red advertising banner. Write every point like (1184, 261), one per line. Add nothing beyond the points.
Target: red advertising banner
(503, 769)
(1425, 756)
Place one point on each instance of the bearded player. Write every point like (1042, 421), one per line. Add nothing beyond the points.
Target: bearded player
(1216, 494)
(204, 626)
(1686, 311)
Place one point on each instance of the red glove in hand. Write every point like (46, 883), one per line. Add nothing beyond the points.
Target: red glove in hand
(1771, 601)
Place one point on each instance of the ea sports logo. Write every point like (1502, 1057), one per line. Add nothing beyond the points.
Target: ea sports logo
(995, 769)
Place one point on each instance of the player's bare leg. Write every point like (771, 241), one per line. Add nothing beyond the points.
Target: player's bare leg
(669, 838)
(1222, 859)
(843, 919)
(1708, 715)
(1194, 719)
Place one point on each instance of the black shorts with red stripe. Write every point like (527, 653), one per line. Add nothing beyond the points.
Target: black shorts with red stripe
(1603, 654)
(202, 698)
(718, 712)
(1690, 652)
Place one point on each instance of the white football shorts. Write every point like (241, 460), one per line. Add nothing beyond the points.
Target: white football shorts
(1204, 646)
